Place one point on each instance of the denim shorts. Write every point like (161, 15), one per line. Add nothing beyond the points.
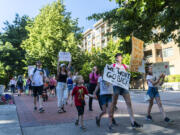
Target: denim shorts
(105, 99)
(153, 92)
(70, 87)
(120, 91)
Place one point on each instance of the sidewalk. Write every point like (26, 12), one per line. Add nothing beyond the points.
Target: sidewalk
(52, 123)
(9, 123)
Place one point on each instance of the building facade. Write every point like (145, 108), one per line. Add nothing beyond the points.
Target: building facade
(96, 37)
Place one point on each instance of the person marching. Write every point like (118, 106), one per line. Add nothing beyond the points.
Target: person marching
(52, 84)
(153, 93)
(106, 91)
(125, 93)
(62, 74)
(37, 77)
(93, 78)
(12, 84)
(20, 83)
(69, 85)
(79, 93)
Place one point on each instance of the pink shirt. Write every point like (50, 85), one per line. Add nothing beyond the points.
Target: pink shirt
(52, 82)
(93, 77)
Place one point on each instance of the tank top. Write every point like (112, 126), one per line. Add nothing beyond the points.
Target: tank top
(62, 78)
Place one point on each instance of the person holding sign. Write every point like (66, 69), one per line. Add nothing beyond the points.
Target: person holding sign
(153, 93)
(121, 91)
(62, 74)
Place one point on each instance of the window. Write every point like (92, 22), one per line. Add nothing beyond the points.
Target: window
(172, 69)
(89, 43)
(167, 52)
(89, 36)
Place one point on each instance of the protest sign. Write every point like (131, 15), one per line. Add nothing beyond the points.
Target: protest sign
(2, 87)
(162, 67)
(137, 54)
(141, 69)
(116, 77)
(30, 70)
(64, 56)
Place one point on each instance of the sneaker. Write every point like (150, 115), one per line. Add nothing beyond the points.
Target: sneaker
(60, 110)
(35, 108)
(63, 109)
(149, 118)
(97, 121)
(136, 125)
(114, 122)
(168, 120)
(41, 110)
(90, 109)
(111, 129)
(77, 122)
(83, 128)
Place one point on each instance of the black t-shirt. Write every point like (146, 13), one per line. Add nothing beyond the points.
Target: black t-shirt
(62, 78)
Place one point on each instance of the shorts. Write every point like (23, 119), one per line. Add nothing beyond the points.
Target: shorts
(80, 110)
(20, 87)
(70, 87)
(120, 91)
(37, 90)
(52, 87)
(153, 92)
(105, 99)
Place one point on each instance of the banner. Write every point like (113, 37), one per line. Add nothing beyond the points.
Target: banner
(137, 54)
(162, 67)
(116, 77)
(64, 56)
(30, 70)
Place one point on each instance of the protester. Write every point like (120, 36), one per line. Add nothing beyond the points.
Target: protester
(20, 83)
(125, 93)
(45, 90)
(153, 93)
(52, 85)
(38, 76)
(74, 78)
(79, 93)
(28, 82)
(69, 84)
(12, 84)
(62, 74)
(106, 91)
(93, 78)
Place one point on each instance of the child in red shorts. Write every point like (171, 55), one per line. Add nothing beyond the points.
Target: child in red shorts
(79, 93)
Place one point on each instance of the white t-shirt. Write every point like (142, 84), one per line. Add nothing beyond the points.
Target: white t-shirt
(148, 78)
(37, 77)
(120, 66)
(105, 87)
(12, 82)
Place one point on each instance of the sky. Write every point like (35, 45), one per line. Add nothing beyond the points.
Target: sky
(79, 8)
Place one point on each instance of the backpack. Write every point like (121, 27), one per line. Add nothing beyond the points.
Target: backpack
(114, 65)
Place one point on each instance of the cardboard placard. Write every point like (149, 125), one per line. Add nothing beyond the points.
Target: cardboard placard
(137, 54)
(116, 76)
(30, 70)
(162, 67)
(64, 56)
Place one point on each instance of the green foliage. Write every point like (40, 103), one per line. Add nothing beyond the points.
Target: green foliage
(172, 78)
(140, 17)
(52, 31)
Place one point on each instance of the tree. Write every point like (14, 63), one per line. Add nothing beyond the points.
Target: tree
(141, 17)
(52, 31)
(10, 61)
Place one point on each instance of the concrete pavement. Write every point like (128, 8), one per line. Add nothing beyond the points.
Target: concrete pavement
(9, 123)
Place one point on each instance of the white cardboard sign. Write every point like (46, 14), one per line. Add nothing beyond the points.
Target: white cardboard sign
(116, 76)
(159, 68)
(64, 56)
(141, 69)
(30, 70)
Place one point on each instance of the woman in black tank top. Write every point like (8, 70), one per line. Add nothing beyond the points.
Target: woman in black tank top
(62, 74)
